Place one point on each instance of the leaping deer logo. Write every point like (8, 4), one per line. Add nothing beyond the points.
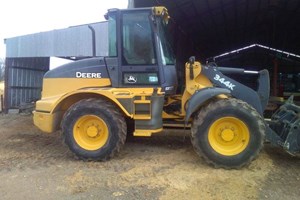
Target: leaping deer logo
(131, 79)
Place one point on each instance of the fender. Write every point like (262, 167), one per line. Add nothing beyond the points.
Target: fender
(104, 92)
(200, 97)
(52, 105)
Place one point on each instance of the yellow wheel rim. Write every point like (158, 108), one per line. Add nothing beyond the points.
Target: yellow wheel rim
(228, 136)
(90, 132)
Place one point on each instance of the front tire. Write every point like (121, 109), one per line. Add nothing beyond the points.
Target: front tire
(228, 133)
(94, 129)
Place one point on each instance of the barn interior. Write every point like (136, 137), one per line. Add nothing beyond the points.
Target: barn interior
(252, 34)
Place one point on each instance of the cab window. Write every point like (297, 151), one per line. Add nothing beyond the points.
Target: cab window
(137, 39)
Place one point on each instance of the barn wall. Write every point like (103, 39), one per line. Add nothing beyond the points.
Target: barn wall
(23, 80)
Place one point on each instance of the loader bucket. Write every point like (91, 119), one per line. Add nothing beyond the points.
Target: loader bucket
(284, 127)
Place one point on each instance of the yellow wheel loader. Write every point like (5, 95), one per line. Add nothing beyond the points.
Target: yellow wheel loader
(97, 101)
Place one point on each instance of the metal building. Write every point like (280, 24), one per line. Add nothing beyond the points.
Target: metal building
(28, 56)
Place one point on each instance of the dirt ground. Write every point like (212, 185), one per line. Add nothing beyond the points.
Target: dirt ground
(35, 165)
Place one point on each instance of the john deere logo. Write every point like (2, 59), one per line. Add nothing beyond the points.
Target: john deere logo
(131, 79)
(88, 75)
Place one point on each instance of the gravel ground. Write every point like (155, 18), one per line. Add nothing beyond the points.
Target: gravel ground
(35, 165)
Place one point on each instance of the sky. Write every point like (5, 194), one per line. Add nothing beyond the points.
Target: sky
(21, 17)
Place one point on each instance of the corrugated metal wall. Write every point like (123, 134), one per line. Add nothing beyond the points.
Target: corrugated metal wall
(23, 80)
(75, 41)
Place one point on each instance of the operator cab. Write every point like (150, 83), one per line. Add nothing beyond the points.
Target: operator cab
(140, 50)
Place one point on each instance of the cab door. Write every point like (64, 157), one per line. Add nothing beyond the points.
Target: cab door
(139, 64)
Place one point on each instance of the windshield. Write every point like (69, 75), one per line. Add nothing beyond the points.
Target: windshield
(164, 44)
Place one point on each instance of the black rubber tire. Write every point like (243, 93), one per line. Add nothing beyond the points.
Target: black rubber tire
(227, 108)
(109, 114)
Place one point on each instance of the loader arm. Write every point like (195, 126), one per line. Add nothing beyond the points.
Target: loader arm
(206, 82)
(257, 99)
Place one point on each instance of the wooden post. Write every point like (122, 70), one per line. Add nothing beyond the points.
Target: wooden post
(2, 107)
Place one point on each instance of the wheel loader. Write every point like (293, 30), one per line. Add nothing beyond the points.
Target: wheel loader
(98, 101)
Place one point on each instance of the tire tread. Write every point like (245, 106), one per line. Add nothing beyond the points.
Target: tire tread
(219, 104)
(115, 114)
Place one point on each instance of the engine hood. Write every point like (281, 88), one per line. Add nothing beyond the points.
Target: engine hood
(86, 68)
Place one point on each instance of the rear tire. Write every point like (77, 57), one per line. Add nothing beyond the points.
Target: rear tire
(228, 133)
(94, 129)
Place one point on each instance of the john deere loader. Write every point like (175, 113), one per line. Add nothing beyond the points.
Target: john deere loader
(97, 101)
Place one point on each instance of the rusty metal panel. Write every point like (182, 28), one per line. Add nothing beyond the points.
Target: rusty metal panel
(23, 80)
(75, 41)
